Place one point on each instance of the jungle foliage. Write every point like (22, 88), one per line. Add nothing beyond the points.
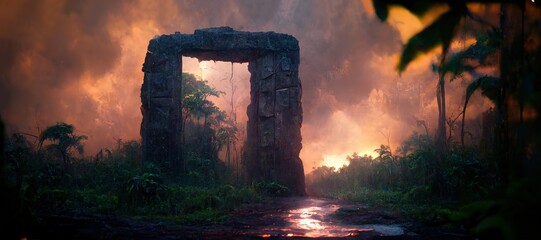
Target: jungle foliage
(52, 175)
(487, 187)
(412, 172)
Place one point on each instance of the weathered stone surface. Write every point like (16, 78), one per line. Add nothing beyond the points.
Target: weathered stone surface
(266, 67)
(282, 99)
(274, 114)
(266, 132)
(266, 104)
(160, 98)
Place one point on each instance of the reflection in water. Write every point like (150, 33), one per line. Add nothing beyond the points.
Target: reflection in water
(311, 219)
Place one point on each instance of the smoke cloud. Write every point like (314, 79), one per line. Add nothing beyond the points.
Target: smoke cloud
(80, 62)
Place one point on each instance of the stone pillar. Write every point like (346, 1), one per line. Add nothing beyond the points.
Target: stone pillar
(161, 109)
(274, 121)
(288, 121)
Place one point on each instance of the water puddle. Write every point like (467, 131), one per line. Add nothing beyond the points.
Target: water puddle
(312, 218)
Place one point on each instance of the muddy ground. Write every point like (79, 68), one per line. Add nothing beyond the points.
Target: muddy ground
(274, 218)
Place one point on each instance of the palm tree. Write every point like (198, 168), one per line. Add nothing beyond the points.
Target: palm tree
(63, 139)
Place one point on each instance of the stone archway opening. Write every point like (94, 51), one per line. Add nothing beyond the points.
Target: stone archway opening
(232, 81)
(273, 139)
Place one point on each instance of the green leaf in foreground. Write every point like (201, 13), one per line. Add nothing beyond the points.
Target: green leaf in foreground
(441, 31)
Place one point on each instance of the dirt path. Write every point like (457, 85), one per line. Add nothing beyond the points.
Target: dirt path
(275, 218)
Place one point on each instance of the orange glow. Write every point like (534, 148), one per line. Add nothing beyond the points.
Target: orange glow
(310, 221)
(83, 66)
(408, 24)
(336, 161)
(339, 160)
(405, 22)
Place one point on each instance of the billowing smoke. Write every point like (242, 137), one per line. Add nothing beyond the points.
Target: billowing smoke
(80, 62)
(53, 54)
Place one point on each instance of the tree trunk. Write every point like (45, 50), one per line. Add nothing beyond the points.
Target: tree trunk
(228, 152)
(441, 133)
(509, 141)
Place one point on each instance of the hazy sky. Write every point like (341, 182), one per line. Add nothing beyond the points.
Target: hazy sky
(80, 62)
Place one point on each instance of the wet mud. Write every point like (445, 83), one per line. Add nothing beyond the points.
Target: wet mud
(273, 218)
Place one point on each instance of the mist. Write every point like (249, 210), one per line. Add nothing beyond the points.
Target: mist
(80, 62)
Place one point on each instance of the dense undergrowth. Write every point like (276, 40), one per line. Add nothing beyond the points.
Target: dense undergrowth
(50, 174)
(465, 191)
(117, 183)
(38, 182)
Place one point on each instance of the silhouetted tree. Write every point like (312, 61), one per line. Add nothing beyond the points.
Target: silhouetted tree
(63, 139)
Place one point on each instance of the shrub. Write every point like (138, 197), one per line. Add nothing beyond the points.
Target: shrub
(272, 188)
(144, 188)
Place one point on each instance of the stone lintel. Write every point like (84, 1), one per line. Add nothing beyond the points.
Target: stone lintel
(224, 44)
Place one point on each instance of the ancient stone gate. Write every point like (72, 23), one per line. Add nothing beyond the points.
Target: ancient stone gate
(274, 114)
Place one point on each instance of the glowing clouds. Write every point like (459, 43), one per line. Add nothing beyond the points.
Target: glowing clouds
(80, 61)
(335, 161)
(343, 134)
